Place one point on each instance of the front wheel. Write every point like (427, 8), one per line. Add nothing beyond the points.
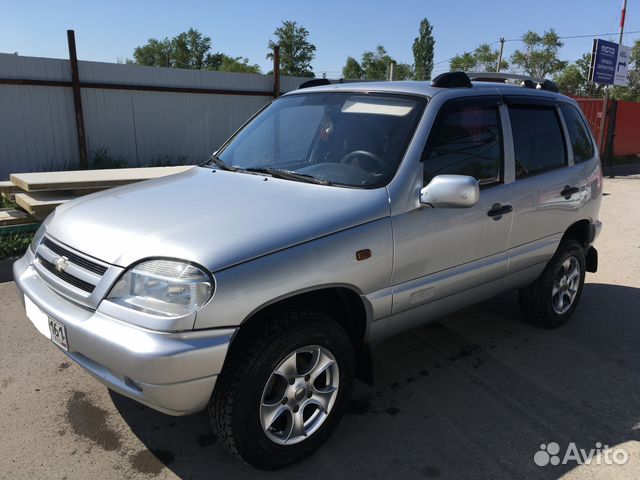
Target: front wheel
(554, 296)
(284, 388)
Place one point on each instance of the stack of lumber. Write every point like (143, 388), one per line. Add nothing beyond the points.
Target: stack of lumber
(38, 194)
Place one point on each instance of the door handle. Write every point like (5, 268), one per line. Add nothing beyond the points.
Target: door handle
(568, 190)
(497, 210)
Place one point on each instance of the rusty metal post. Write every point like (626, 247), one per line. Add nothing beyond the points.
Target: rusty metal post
(276, 71)
(603, 119)
(607, 156)
(77, 99)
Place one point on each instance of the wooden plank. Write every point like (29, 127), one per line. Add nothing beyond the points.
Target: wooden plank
(41, 204)
(81, 179)
(10, 216)
(8, 187)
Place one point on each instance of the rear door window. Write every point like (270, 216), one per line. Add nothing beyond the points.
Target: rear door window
(538, 140)
(581, 143)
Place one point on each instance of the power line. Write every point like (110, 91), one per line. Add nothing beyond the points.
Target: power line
(560, 38)
(580, 36)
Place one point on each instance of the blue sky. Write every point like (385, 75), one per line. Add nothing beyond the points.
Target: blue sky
(108, 30)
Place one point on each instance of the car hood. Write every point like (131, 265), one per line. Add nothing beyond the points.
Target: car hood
(212, 217)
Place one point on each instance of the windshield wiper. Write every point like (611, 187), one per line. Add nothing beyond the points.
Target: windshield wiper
(289, 175)
(220, 164)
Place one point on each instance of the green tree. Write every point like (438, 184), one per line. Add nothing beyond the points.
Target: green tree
(296, 52)
(404, 71)
(574, 79)
(487, 59)
(423, 46)
(482, 59)
(224, 63)
(540, 55)
(191, 50)
(352, 70)
(237, 64)
(463, 63)
(185, 50)
(155, 53)
(375, 64)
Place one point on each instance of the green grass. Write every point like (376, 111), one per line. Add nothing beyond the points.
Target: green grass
(14, 245)
(102, 159)
(4, 203)
(168, 161)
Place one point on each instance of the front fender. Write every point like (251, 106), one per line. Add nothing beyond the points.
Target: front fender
(246, 288)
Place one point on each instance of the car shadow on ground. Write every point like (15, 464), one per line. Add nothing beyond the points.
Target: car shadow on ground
(473, 395)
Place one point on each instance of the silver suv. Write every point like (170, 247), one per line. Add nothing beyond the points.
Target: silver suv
(255, 284)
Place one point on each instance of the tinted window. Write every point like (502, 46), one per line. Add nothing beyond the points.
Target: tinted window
(578, 133)
(466, 140)
(537, 139)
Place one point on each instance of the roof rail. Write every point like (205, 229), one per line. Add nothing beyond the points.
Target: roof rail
(525, 80)
(452, 80)
(314, 82)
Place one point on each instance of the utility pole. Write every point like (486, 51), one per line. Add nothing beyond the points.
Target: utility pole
(622, 18)
(392, 71)
(605, 100)
(500, 56)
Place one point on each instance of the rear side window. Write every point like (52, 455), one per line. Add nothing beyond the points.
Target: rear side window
(466, 140)
(537, 139)
(581, 143)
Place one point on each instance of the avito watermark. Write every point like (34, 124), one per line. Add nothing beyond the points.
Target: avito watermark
(549, 454)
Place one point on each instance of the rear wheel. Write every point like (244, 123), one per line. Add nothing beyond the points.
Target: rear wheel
(554, 296)
(284, 388)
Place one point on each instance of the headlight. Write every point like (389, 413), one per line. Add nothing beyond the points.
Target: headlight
(168, 288)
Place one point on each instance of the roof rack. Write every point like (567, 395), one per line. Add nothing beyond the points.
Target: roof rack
(314, 82)
(525, 80)
(452, 80)
(463, 80)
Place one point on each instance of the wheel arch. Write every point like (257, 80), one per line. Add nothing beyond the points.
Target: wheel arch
(343, 303)
(581, 231)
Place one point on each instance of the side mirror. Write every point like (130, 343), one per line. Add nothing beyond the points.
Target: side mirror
(451, 191)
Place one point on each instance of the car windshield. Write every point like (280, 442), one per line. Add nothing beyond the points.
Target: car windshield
(351, 139)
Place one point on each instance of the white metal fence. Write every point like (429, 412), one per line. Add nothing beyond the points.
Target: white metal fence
(127, 115)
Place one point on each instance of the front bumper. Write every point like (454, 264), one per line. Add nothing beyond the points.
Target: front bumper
(174, 373)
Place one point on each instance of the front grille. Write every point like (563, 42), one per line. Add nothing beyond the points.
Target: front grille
(77, 259)
(76, 282)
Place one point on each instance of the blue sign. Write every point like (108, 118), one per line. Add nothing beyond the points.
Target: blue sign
(603, 62)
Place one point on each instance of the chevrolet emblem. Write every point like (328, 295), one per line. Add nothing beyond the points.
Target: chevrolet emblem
(61, 263)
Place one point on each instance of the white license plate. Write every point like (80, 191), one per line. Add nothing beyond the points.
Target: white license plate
(39, 319)
(58, 334)
(47, 326)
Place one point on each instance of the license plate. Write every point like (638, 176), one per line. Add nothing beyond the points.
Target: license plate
(39, 319)
(58, 334)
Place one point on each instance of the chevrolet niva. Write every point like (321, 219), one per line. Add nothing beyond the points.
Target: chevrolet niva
(254, 285)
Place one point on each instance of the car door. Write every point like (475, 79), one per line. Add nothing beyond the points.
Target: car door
(549, 188)
(448, 252)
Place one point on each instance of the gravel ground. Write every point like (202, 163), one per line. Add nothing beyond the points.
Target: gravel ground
(471, 396)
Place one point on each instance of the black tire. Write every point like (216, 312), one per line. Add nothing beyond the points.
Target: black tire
(536, 300)
(255, 354)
